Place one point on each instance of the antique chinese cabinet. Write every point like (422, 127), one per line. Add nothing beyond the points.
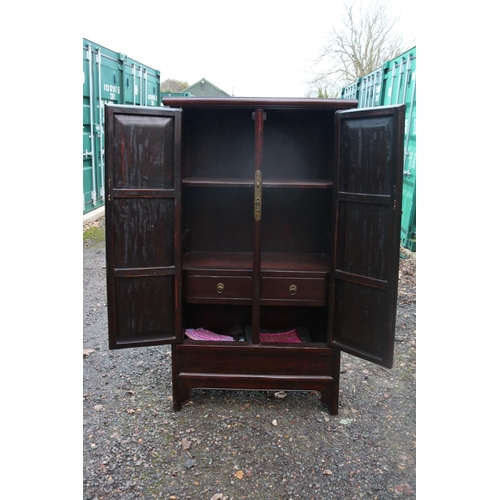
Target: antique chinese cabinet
(258, 236)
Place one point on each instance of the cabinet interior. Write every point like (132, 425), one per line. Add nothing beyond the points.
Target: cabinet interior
(220, 236)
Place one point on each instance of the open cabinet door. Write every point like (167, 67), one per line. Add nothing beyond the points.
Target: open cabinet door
(143, 225)
(367, 207)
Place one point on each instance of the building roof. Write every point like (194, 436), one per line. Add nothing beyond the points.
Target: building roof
(204, 88)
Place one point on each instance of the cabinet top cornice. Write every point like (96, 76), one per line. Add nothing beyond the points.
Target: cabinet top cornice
(260, 102)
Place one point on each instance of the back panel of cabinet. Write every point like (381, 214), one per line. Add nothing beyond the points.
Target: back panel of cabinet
(298, 145)
(296, 220)
(218, 143)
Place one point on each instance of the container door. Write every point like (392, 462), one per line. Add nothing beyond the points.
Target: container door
(367, 207)
(93, 159)
(143, 225)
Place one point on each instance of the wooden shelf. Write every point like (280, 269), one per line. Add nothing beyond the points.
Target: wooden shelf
(266, 183)
(217, 182)
(231, 261)
(270, 261)
(297, 183)
(296, 262)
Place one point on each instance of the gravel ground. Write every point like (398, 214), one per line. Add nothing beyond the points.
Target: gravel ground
(227, 445)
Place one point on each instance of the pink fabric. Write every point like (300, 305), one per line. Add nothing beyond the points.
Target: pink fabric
(289, 337)
(202, 334)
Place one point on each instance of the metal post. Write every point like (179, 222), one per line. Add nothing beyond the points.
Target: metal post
(91, 101)
(133, 81)
(411, 109)
(100, 135)
(374, 82)
(140, 85)
(392, 83)
(410, 121)
(407, 78)
(380, 80)
(362, 94)
(399, 80)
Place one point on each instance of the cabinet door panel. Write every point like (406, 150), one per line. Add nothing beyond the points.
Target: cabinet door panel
(143, 226)
(367, 208)
(146, 227)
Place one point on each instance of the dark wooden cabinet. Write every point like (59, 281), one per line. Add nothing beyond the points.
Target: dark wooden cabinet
(249, 218)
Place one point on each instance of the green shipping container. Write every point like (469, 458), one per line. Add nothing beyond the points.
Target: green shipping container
(400, 87)
(174, 94)
(395, 83)
(108, 77)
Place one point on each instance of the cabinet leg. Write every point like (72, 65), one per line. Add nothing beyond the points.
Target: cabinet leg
(330, 398)
(330, 395)
(180, 394)
(180, 391)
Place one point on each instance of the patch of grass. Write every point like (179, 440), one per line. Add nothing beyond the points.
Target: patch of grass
(94, 235)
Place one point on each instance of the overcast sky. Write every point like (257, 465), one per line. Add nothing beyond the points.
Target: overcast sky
(255, 49)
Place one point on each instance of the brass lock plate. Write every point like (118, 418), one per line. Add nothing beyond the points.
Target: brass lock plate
(257, 202)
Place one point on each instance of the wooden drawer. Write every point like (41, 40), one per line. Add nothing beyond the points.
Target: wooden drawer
(293, 289)
(202, 287)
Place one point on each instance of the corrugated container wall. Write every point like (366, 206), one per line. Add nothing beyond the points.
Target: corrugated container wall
(108, 77)
(395, 83)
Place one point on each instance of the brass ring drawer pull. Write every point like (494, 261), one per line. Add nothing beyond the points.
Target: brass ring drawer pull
(220, 287)
(293, 289)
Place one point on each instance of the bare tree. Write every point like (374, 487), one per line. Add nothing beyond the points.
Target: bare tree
(362, 39)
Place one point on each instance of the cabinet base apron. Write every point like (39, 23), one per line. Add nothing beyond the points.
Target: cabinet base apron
(204, 365)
